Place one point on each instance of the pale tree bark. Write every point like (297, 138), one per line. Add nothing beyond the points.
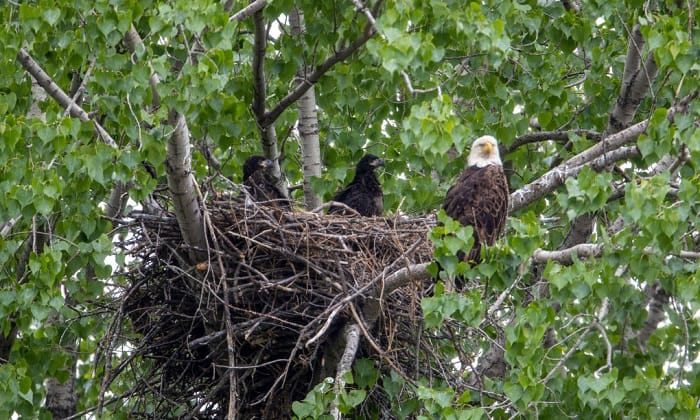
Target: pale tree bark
(61, 399)
(178, 166)
(365, 320)
(183, 188)
(182, 184)
(637, 79)
(38, 96)
(246, 12)
(117, 199)
(556, 177)
(45, 81)
(308, 123)
(339, 354)
(567, 256)
(132, 42)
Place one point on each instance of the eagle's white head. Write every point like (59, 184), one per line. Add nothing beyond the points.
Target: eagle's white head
(484, 152)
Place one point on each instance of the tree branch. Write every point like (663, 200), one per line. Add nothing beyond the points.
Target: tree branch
(259, 48)
(45, 81)
(602, 313)
(658, 299)
(552, 179)
(118, 196)
(268, 135)
(540, 136)
(7, 226)
(637, 80)
(272, 115)
(77, 93)
(589, 250)
(178, 165)
(404, 276)
(248, 11)
(370, 312)
(352, 343)
(566, 256)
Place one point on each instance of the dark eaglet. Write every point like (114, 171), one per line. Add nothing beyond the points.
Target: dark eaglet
(260, 182)
(364, 194)
(480, 196)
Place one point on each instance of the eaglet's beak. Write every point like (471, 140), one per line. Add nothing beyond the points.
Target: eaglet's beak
(378, 162)
(267, 163)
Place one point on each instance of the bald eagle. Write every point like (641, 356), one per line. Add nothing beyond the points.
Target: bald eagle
(258, 178)
(364, 194)
(479, 198)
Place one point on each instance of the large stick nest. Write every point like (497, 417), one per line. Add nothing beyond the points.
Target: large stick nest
(288, 282)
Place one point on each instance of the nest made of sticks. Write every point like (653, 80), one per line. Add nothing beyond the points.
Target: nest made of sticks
(268, 301)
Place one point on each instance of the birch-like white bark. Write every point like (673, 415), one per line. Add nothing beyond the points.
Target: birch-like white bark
(308, 123)
(183, 188)
(352, 336)
(45, 81)
(247, 11)
(178, 166)
(552, 179)
(637, 81)
(566, 256)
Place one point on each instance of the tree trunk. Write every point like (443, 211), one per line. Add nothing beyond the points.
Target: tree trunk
(268, 134)
(61, 399)
(184, 190)
(308, 123)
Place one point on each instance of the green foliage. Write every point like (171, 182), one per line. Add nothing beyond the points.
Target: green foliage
(448, 238)
(321, 399)
(588, 192)
(474, 68)
(467, 308)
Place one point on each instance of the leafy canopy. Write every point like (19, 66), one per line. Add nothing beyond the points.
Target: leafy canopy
(474, 68)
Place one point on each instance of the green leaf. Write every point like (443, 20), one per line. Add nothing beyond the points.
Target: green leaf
(25, 389)
(51, 16)
(365, 373)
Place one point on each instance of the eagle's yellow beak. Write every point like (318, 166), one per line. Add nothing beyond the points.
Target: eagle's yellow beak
(488, 148)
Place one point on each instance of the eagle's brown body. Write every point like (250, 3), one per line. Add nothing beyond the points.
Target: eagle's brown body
(258, 178)
(364, 194)
(479, 199)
